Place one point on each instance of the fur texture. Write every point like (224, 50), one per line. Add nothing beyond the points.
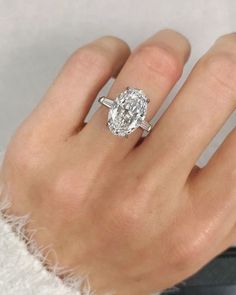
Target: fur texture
(21, 261)
(22, 270)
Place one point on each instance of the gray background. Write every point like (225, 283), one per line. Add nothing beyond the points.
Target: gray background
(37, 36)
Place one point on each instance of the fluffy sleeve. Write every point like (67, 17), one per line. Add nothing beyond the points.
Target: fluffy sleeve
(21, 263)
(22, 271)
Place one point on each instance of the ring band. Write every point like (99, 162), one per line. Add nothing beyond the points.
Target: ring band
(127, 112)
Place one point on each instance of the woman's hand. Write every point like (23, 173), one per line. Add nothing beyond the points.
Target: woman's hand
(136, 218)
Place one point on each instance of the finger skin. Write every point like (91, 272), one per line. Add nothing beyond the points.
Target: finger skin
(215, 187)
(153, 66)
(197, 113)
(62, 111)
(213, 205)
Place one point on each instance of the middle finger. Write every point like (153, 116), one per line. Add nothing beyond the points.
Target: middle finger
(198, 112)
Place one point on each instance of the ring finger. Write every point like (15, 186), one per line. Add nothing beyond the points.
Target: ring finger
(155, 66)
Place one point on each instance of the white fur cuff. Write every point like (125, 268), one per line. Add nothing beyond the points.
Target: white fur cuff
(22, 273)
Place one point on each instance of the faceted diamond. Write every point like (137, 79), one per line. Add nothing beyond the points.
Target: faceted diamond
(127, 112)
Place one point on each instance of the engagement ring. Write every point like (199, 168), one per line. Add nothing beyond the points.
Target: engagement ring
(127, 111)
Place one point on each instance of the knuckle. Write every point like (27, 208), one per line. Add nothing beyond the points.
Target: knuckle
(93, 57)
(125, 217)
(186, 251)
(23, 154)
(132, 215)
(181, 261)
(110, 42)
(65, 192)
(58, 187)
(126, 220)
(160, 61)
(18, 159)
(226, 38)
(221, 67)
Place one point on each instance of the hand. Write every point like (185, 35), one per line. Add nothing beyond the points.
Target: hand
(136, 218)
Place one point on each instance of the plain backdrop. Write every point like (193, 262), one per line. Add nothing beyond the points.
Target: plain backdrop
(36, 37)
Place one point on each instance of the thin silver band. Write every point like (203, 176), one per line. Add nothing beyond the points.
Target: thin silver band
(109, 102)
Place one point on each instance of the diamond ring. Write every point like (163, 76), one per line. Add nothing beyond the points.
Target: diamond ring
(127, 112)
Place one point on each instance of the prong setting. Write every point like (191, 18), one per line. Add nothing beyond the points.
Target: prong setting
(127, 111)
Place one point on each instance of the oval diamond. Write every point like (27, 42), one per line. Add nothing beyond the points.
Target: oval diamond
(127, 112)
